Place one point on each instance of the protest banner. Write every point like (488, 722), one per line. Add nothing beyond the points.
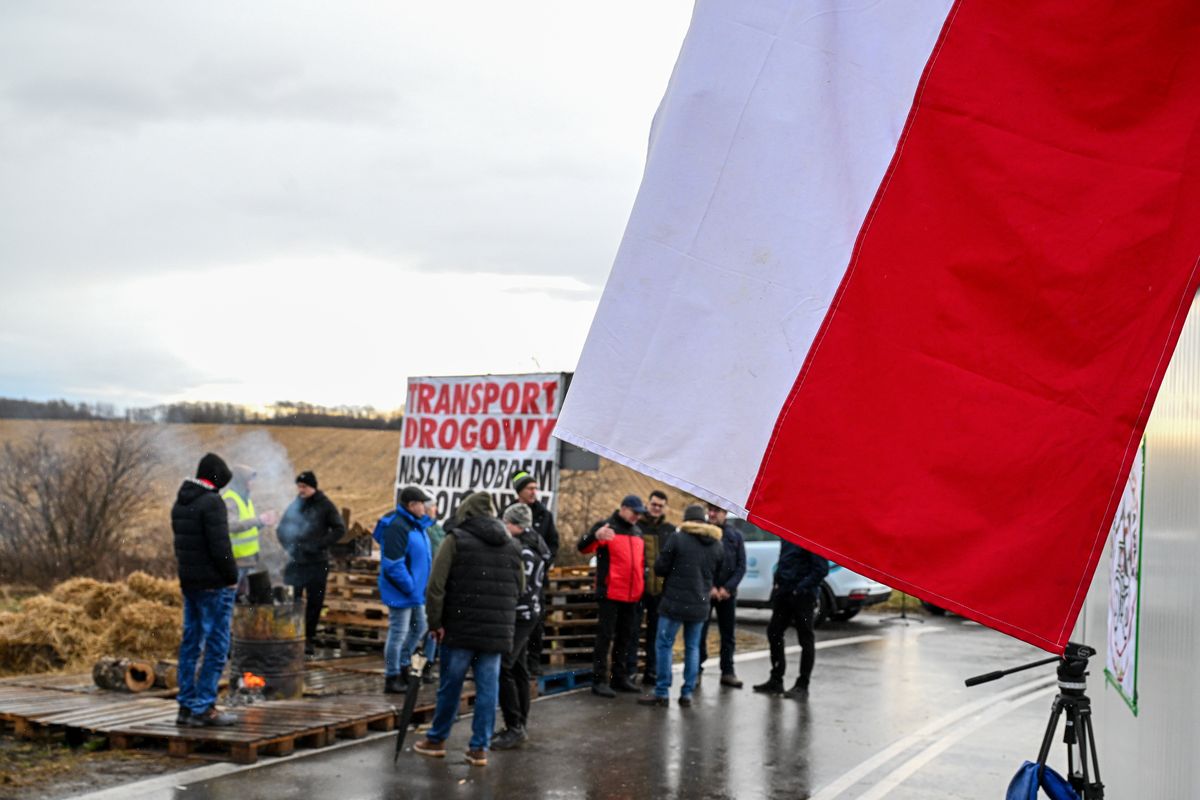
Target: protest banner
(472, 433)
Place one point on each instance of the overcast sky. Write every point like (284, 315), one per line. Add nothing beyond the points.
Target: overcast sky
(307, 200)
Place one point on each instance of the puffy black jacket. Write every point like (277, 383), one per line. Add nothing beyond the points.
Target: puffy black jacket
(543, 524)
(309, 526)
(689, 562)
(535, 558)
(799, 570)
(201, 531)
(734, 567)
(481, 591)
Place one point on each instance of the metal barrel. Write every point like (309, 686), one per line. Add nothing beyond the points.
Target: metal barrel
(268, 640)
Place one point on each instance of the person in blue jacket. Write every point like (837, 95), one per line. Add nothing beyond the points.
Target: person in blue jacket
(406, 558)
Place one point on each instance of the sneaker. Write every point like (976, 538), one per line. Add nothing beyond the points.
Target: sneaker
(182, 717)
(653, 700)
(626, 685)
(649, 679)
(509, 739)
(394, 684)
(685, 700)
(731, 680)
(211, 718)
(427, 673)
(477, 758)
(310, 649)
(772, 686)
(428, 747)
(603, 690)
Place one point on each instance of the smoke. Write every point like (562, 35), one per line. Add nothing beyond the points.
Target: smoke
(273, 488)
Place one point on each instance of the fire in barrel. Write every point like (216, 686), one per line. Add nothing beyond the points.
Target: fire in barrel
(268, 641)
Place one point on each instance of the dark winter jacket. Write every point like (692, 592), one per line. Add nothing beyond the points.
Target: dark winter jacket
(405, 558)
(733, 569)
(688, 564)
(799, 570)
(309, 526)
(202, 548)
(620, 563)
(473, 589)
(543, 525)
(535, 557)
(655, 533)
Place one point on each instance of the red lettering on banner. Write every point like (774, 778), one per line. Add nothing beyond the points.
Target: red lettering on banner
(517, 433)
(547, 427)
(428, 429)
(476, 403)
(491, 393)
(510, 398)
(425, 393)
(529, 396)
(442, 406)
(489, 435)
(551, 388)
(447, 435)
(410, 431)
(461, 393)
(469, 434)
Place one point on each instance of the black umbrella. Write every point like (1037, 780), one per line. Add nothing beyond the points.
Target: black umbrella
(404, 718)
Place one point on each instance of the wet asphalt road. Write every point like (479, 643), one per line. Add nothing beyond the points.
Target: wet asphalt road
(888, 716)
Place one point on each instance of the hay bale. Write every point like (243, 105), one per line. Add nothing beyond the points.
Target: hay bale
(96, 598)
(159, 590)
(144, 629)
(46, 634)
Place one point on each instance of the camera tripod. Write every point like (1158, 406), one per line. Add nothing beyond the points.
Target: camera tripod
(1071, 700)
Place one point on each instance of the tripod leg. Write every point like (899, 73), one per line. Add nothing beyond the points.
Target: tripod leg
(1095, 791)
(1051, 727)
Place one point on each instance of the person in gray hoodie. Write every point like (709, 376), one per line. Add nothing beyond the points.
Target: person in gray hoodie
(688, 562)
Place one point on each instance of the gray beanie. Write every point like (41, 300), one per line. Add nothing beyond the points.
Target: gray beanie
(694, 513)
(519, 514)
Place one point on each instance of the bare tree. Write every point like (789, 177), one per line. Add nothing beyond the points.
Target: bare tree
(65, 505)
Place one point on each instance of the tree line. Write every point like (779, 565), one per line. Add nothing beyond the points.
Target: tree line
(284, 412)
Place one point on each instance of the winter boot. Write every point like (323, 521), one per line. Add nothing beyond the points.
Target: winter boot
(772, 686)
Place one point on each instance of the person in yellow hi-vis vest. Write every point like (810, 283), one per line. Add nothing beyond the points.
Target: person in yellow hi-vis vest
(244, 523)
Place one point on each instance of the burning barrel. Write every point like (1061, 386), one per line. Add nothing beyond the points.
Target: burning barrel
(268, 640)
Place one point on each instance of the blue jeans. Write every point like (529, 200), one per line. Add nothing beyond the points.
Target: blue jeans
(207, 614)
(667, 629)
(486, 666)
(406, 626)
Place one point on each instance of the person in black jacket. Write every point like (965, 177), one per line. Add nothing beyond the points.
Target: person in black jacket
(208, 579)
(688, 563)
(309, 526)
(471, 605)
(514, 669)
(793, 602)
(724, 597)
(526, 487)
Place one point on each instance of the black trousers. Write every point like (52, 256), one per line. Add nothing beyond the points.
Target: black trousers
(727, 623)
(615, 630)
(788, 610)
(648, 607)
(514, 678)
(309, 582)
(533, 651)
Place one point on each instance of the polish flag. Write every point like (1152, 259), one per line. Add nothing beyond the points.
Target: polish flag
(902, 280)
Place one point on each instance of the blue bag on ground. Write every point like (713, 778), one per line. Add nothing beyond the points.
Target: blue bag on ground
(1025, 784)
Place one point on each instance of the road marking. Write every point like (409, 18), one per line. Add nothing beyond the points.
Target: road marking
(758, 655)
(864, 768)
(908, 768)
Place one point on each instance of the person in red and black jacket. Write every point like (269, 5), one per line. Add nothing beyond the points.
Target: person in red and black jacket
(620, 581)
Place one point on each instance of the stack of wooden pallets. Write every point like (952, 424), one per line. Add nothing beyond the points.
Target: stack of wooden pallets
(354, 618)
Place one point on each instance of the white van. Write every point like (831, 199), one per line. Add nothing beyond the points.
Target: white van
(843, 593)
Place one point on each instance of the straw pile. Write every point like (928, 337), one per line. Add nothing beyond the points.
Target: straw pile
(81, 620)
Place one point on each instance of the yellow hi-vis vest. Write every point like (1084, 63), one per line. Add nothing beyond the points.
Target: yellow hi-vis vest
(245, 544)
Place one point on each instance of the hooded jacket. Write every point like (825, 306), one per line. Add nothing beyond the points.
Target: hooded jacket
(405, 560)
(476, 580)
(543, 525)
(201, 533)
(688, 565)
(535, 559)
(620, 563)
(309, 526)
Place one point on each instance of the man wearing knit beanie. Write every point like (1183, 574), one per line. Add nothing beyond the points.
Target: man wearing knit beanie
(208, 579)
(309, 526)
(526, 488)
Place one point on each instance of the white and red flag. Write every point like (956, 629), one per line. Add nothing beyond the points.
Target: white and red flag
(902, 280)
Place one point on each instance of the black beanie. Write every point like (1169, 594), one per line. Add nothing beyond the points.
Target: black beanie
(307, 478)
(213, 469)
(521, 480)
